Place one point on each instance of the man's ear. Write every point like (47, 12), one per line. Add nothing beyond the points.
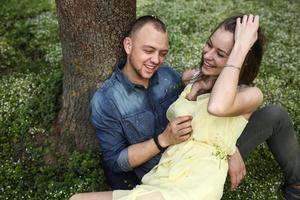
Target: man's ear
(127, 43)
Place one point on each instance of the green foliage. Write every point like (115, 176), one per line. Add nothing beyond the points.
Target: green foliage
(30, 178)
(27, 108)
(9, 56)
(29, 33)
(31, 79)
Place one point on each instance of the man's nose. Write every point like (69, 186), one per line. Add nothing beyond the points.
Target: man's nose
(155, 58)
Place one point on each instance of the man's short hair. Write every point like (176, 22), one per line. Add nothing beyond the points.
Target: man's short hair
(143, 20)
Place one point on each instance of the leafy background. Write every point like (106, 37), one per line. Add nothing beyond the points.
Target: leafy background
(31, 82)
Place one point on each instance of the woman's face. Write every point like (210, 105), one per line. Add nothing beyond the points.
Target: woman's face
(216, 52)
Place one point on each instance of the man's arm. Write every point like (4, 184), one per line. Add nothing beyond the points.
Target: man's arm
(109, 133)
(116, 152)
(177, 131)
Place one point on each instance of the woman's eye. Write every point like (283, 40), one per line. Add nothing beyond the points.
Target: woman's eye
(208, 44)
(221, 55)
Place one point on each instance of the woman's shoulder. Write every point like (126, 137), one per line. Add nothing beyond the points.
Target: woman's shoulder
(251, 95)
(251, 89)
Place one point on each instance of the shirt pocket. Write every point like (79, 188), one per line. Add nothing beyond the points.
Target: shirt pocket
(139, 127)
(167, 100)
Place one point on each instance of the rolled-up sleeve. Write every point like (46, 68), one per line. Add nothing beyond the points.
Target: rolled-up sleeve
(106, 119)
(123, 160)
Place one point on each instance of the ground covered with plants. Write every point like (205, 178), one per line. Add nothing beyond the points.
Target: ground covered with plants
(31, 79)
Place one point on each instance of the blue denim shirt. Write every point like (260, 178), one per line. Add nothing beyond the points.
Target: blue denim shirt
(124, 113)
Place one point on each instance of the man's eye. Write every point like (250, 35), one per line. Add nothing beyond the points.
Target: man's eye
(163, 55)
(148, 51)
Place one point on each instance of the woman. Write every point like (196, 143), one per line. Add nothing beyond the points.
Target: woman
(197, 168)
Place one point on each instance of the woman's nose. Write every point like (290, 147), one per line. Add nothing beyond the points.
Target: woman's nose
(208, 54)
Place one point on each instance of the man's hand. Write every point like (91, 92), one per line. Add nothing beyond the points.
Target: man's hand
(237, 169)
(177, 131)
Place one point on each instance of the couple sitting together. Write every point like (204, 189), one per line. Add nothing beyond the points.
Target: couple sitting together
(162, 142)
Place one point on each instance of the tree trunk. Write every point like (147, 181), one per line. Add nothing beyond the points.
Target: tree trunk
(91, 34)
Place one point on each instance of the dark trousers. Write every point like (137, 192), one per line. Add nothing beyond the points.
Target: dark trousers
(273, 125)
(122, 180)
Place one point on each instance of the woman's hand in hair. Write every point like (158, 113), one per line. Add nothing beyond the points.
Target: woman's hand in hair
(246, 30)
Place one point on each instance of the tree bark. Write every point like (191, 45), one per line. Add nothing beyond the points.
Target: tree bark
(91, 33)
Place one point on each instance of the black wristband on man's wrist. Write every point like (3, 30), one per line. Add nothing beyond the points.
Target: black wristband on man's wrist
(155, 138)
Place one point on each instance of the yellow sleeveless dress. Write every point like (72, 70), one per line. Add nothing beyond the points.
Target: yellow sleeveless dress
(195, 169)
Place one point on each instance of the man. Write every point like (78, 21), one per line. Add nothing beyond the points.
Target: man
(130, 108)
(129, 114)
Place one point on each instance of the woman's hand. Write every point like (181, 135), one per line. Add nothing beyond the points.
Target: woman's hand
(236, 169)
(188, 75)
(201, 86)
(246, 30)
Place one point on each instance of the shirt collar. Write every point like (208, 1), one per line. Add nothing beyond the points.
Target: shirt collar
(129, 85)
